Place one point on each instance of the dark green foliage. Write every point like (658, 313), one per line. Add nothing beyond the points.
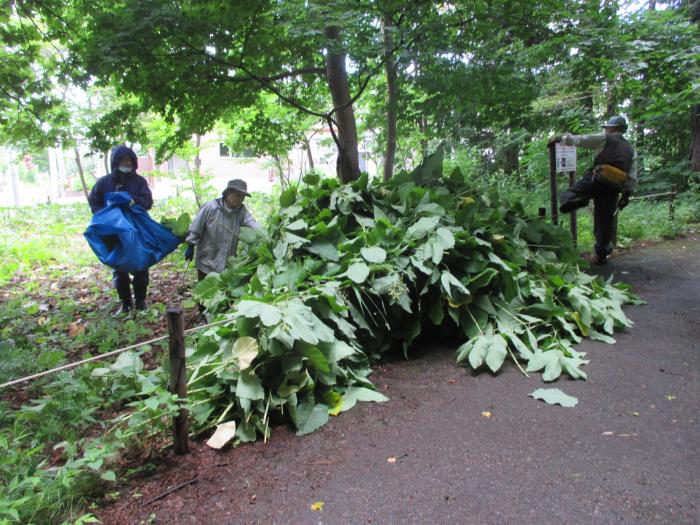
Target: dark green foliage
(346, 273)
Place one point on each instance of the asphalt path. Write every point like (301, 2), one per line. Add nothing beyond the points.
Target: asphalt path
(451, 446)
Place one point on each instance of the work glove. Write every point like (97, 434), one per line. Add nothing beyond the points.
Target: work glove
(189, 252)
(624, 200)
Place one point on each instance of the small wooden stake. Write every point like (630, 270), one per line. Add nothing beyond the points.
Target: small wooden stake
(178, 376)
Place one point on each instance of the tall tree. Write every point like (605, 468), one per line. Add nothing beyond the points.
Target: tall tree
(695, 111)
(32, 110)
(194, 61)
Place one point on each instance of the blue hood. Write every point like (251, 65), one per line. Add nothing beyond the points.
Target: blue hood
(118, 154)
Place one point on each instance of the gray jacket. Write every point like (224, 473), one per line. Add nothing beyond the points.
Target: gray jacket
(598, 142)
(215, 232)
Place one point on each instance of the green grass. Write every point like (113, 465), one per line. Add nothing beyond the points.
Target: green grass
(642, 220)
(52, 459)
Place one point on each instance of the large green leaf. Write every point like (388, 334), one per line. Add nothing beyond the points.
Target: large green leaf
(554, 396)
(324, 249)
(314, 420)
(303, 324)
(422, 227)
(288, 197)
(358, 272)
(317, 358)
(496, 353)
(249, 386)
(374, 254)
(207, 287)
(269, 314)
(354, 394)
(245, 350)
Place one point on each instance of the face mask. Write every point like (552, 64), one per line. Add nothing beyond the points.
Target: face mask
(124, 170)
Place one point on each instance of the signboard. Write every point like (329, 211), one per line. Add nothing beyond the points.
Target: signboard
(565, 157)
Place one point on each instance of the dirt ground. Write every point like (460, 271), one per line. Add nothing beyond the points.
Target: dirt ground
(452, 446)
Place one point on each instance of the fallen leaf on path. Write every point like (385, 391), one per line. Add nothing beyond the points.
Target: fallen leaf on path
(318, 506)
(391, 459)
(553, 396)
(224, 433)
(670, 397)
(486, 414)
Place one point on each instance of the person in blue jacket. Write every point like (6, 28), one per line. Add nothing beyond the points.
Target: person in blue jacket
(123, 177)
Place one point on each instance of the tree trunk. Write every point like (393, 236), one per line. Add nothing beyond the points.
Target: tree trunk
(348, 163)
(309, 154)
(510, 158)
(80, 171)
(14, 182)
(52, 193)
(280, 169)
(695, 139)
(392, 93)
(423, 128)
(695, 115)
(60, 171)
(197, 158)
(587, 101)
(105, 159)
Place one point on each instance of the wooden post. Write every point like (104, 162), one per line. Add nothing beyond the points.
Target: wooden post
(672, 204)
(553, 201)
(178, 376)
(572, 216)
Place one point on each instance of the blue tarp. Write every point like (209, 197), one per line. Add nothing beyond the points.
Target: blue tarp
(126, 238)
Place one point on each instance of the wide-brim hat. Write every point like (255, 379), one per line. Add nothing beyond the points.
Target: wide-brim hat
(236, 185)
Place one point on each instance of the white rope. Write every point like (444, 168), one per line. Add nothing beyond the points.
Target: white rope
(103, 356)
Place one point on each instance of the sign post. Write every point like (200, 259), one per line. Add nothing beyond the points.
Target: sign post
(562, 159)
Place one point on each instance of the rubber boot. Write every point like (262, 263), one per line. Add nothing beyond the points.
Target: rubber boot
(140, 282)
(124, 309)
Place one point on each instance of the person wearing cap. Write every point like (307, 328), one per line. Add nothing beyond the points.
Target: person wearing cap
(214, 230)
(612, 176)
(123, 177)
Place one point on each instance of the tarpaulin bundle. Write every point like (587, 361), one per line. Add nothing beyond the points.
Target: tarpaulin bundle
(124, 236)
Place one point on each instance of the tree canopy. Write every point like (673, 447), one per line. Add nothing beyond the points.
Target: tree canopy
(492, 77)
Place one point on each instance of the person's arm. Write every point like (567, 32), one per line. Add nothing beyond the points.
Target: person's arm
(197, 227)
(96, 199)
(143, 197)
(596, 141)
(249, 221)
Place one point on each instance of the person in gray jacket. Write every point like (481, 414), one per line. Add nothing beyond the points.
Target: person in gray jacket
(613, 175)
(215, 229)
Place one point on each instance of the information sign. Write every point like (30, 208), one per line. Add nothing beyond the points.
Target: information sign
(566, 157)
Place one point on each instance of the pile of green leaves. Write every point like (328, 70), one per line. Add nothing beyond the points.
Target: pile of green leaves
(347, 272)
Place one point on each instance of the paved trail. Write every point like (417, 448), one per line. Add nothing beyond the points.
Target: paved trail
(628, 453)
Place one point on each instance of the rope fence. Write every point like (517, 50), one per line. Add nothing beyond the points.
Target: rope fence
(178, 374)
(105, 355)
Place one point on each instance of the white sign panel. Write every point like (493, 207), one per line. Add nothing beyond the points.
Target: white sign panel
(565, 156)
